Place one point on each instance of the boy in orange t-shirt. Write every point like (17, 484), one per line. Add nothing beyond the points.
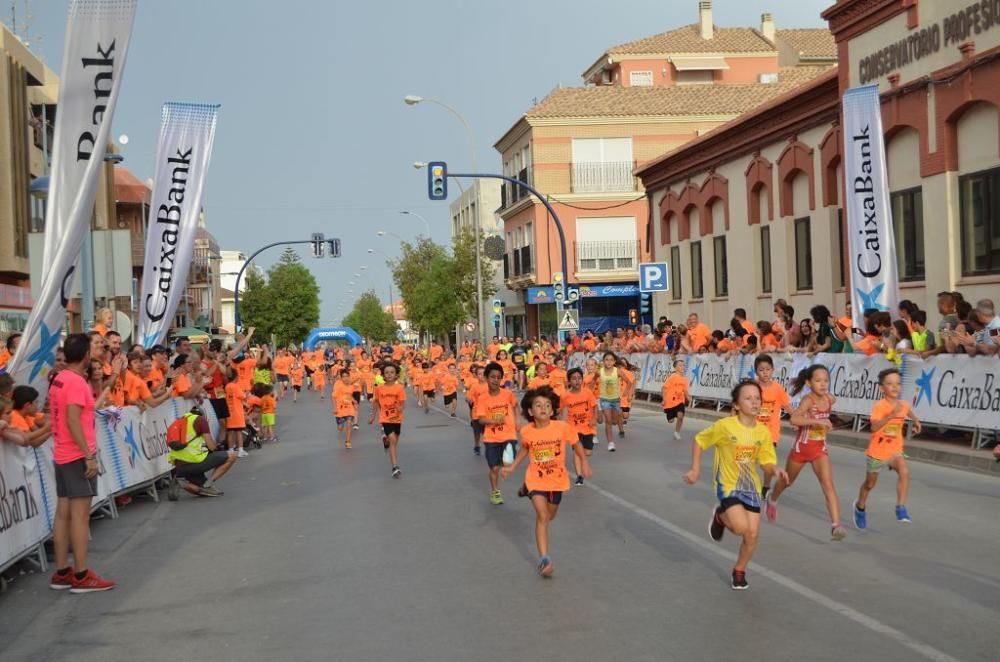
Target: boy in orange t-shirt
(773, 398)
(319, 379)
(544, 441)
(297, 374)
(427, 385)
(449, 388)
(345, 409)
(885, 448)
(474, 388)
(496, 411)
(580, 407)
(388, 404)
(675, 397)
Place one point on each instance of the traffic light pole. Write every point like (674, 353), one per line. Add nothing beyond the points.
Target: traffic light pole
(239, 275)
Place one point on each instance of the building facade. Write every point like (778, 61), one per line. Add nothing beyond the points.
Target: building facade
(752, 211)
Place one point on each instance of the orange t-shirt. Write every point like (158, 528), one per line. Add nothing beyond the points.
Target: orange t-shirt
(558, 378)
(244, 372)
(888, 441)
(674, 391)
(748, 327)
(869, 345)
(282, 364)
(770, 341)
(538, 382)
(699, 335)
(590, 382)
(449, 384)
(626, 380)
(343, 399)
(268, 404)
(319, 377)
(235, 395)
(253, 402)
(491, 351)
(589, 344)
(296, 375)
(501, 408)
(509, 369)
(579, 408)
(474, 392)
(436, 352)
(180, 386)
(157, 377)
(546, 455)
(19, 422)
(390, 399)
(135, 388)
(428, 382)
(773, 398)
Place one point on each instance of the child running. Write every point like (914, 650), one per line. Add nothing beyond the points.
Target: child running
(627, 379)
(319, 379)
(675, 397)
(449, 389)
(774, 398)
(544, 441)
(428, 387)
(345, 408)
(610, 400)
(885, 449)
(496, 410)
(813, 420)
(296, 373)
(580, 406)
(741, 443)
(388, 405)
(473, 390)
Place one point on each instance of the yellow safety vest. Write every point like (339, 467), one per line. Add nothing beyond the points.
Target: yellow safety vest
(195, 450)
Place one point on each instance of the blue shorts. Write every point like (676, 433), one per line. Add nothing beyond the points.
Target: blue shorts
(494, 452)
(612, 405)
(750, 500)
(552, 496)
(344, 419)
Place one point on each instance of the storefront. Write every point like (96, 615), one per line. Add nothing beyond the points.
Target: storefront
(602, 307)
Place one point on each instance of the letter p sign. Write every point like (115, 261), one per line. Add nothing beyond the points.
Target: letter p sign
(653, 277)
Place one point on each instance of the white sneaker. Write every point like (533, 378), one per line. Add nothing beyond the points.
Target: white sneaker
(611, 446)
(242, 453)
(677, 435)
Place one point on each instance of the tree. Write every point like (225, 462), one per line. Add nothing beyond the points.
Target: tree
(370, 320)
(464, 253)
(286, 304)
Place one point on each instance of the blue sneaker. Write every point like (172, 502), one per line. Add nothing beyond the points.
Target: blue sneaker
(902, 515)
(860, 518)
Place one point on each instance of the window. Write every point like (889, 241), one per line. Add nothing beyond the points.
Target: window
(980, 222)
(697, 288)
(765, 259)
(803, 255)
(641, 79)
(675, 273)
(695, 77)
(908, 230)
(606, 244)
(602, 164)
(721, 273)
(840, 247)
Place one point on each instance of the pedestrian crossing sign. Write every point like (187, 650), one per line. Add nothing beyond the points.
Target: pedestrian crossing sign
(569, 320)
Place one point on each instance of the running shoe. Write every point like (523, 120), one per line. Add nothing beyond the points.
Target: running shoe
(476, 451)
(173, 490)
(611, 447)
(838, 532)
(621, 434)
(396, 473)
(91, 583)
(61, 581)
(545, 566)
(579, 480)
(715, 526)
(209, 491)
(860, 518)
(453, 416)
(902, 515)
(677, 436)
(496, 497)
(740, 580)
(242, 453)
(522, 491)
(357, 427)
(347, 444)
(771, 510)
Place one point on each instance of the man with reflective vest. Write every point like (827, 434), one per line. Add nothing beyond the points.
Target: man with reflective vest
(194, 456)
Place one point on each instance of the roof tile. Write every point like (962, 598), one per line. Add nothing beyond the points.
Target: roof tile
(810, 42)
(687, 39)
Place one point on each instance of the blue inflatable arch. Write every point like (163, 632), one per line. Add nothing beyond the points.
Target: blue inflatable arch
(332, 334)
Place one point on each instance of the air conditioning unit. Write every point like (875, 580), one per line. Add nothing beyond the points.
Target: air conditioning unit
(767, 78)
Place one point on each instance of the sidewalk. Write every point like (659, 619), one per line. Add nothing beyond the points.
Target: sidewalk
(956, 454)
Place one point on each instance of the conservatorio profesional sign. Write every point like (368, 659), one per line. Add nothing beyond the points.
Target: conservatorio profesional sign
(955, 29)
(187, 132)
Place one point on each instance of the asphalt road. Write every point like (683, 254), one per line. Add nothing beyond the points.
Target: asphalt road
(316, 553)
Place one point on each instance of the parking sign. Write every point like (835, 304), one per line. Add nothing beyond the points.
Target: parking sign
(654, 277)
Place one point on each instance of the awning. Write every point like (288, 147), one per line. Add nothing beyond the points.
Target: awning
(699, 62)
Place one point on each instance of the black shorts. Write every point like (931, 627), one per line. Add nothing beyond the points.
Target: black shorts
(450, 398)
(672, 412)
(429, 394)
(392, 428)
(297, 387)
(477, 427)
(195, 473)
(586, 440)
(72, 481)
(283, 379)
(309, 371)
(357, 396)
(729, 502)
(220, 407)
(626, 410)
(494, 452)
(552, 496)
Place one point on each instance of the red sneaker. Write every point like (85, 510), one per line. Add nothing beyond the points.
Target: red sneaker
(91, 583)
(61, 580)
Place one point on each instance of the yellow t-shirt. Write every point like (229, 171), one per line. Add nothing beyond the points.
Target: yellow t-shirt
(739, 450)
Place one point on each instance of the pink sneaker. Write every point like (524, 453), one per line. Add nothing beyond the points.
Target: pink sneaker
(91, 583)
(771, 510)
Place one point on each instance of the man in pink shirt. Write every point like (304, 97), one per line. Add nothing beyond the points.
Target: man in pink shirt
(71, 406)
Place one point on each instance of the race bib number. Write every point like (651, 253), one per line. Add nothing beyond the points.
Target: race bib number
(543, 455)
(892, 429)
(765, 411)
(817, 433)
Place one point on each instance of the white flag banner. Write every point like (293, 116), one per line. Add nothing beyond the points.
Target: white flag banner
(97, 39)
(871, 244)
(187, 132)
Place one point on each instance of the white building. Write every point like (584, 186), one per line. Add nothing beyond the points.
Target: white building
(232, 262)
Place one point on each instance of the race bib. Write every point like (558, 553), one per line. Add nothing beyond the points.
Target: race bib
(543, 455)
(765, 411)
(817, 433)
(892, 429)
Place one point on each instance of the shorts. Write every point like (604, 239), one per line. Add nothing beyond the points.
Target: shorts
(552, 496)
(749, 500)
(672, 412)
(357, 396)
(297, 387)
(309, 371)
(392, 428)
(875, 466)
(72, 482)
(346, 419)
(282, 379)
(220, 407)
(586, 440)
(267, 419)
(429, 394)
(477, 427)
(609, 405)
(195, 473)
(494, 452)
(450, 398)
(805, 452)
(625, 409)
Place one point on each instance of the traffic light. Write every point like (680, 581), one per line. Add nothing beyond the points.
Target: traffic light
(633, 317)
(437, 180)
(334, 247)
(558, 286)
(318, 244)
(645, 301)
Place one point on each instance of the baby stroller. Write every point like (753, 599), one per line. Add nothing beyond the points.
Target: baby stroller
(251, 438)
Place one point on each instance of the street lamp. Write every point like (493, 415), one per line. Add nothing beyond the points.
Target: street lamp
(383, 233)
(412, 100)
(426, 224)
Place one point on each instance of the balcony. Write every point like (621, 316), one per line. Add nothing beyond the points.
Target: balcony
(518, 267)
(511, 194)
(603, 177)
(603, 257)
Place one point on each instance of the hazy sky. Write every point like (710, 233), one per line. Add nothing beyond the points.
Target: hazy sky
(313, 134)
